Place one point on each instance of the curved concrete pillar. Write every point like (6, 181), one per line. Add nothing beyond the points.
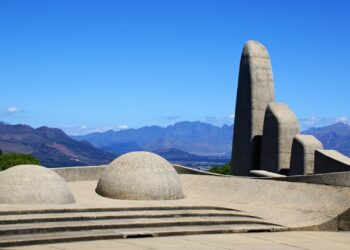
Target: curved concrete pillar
(303, 154)
(255, 91)
(328, 161)
(280, 127)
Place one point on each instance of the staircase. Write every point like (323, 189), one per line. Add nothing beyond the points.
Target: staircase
(28, 227)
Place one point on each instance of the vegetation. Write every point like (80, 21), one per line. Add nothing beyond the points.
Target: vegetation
(224, 169)
(10, 160)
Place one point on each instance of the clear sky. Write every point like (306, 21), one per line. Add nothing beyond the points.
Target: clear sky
(93, 65)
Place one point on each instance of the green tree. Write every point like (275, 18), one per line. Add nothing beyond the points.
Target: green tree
(224, 169)
(10, 160)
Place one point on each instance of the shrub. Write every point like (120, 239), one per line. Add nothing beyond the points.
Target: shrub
(10, 160)
(224, 169)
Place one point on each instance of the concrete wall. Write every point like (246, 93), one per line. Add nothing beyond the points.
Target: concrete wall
(186, 170)
(93, 173)
(303, 154)
(88, 173)
(255, 90)
(280, 127)
(334, 179)
(327, 161)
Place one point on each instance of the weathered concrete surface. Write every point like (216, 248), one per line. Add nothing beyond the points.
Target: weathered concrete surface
(268, 241)
(303, 154)
(284, 203)
(341, 179)
(280, 127)
(140, 176)
(255, 91)
(32, 184)
(327, 161)
(344, 221)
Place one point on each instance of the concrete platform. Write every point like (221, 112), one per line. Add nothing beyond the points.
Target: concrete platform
(268, 241)
(285, 203)
(212, 205)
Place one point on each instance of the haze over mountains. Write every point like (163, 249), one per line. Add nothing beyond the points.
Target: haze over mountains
(189, 143)
(193, 137)
(200, 139)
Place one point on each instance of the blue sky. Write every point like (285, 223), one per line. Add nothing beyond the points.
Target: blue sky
(94, 65)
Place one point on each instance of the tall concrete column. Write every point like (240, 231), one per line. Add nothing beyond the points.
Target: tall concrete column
(255, 91)
(280, 128)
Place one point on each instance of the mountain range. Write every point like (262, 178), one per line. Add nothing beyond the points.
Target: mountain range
(199, 138)
(51, 146)
(196, 138)
(336, 136)
(188, 143)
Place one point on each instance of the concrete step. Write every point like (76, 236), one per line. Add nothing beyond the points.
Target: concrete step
(111, 209)
(41, 226)
(60, 237)
(37, 218)
(31, 228)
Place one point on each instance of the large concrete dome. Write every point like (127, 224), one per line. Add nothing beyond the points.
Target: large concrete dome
(32, 184)
(140, 176)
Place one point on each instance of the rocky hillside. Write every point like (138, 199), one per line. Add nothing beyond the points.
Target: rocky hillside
(51, 146)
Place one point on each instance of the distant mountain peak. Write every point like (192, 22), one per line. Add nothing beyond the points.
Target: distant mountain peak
(335, 136)
(53, 133)
(336, 128)
(341, 125)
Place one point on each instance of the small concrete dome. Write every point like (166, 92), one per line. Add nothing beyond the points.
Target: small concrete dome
(140, 176)
(32, 184)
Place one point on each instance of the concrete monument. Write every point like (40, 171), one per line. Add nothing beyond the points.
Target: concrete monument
(255, 91)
